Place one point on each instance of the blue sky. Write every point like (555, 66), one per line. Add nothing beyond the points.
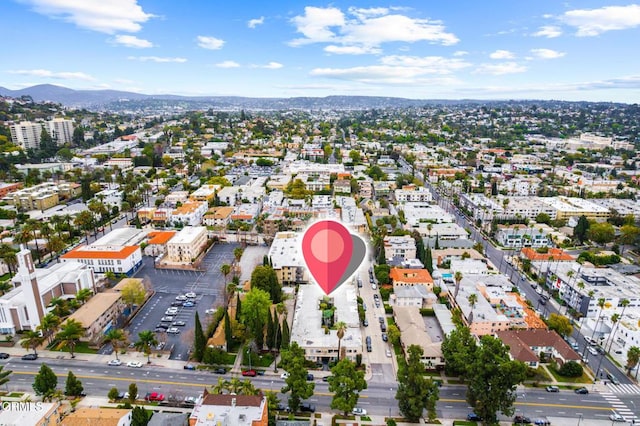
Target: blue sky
(502, 49)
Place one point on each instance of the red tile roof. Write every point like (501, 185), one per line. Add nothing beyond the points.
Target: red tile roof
(554, 254)
(82, 253)
(416, 276)
(160, 237)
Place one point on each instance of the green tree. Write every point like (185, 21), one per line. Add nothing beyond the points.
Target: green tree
(48, 325)
(83, 295)
(581, 228)
(133, 392)
(271, 331)
(346, 383)
(139, 416)
(69, 335)
(265, 278)
(133, 293)
(601, 233)
(629, 235)
(31, 339)
(633, 357)
(45, 382)
(113, 394)
(493, 378)
(393, 332)
(286, 335)
(146, 340)
(297, 190)
(4, 375)
(293, 362)
(458, 350)
(341, 329)
(117, 338)
(228, 332)
(415, 392)
(428, 260)
(199, 340)
(561, 324)
(73, 386)
(570, 369)
(255, 309)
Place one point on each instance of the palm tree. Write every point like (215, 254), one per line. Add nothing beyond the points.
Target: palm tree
(614, 321)
(32, 225)
(225, 269)
(624, 303)
(115, 336)
(602, 303)
(48, 325)
(237, 253)
(83, 295)
(146, 340)
(457, 278)
(341, 328)
(69, 335)
(31, 340)
(473, 299)
(60, 307)
(220, 387)
(4, 375)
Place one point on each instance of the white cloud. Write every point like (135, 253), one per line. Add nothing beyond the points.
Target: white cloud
(255, 22)
(593, 22)
(366, 29)
(269, 66)
(227, 64)
(548, 31)
(159, 59)
(399, 70)
(210, 43)
(460, 53)
(63, 75)
(501, 54)
(352, 50)
(546, 53)
(132, 41)
(501, 68)
(106, 16)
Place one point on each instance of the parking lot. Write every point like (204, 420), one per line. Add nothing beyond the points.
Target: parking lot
(170, 283)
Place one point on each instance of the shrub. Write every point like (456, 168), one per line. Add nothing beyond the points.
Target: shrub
(570, 369)
(427, 312)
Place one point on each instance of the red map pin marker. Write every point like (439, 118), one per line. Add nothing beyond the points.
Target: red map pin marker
(327, 248)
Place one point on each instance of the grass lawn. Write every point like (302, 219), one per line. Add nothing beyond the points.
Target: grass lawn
(582, 379)
(464, 423)
(257, 360)
(81, 348)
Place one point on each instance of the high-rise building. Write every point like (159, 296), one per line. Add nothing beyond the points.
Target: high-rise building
(26, 134)
(61, 130)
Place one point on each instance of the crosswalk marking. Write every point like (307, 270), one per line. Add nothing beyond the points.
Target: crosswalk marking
(624, 389)
(617, 405)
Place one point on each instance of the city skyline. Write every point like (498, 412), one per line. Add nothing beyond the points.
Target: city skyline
(545, 50)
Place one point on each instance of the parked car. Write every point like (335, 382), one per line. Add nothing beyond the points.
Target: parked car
(474, 417)
(173, 330)
(171, 311)
(615, 417)
(168, 318)
(188, 304)
(553, 389)
(115, 362)
(325, 378)
(220, 370)
(154, 396)
(357, 411)
(385, 338)
(190, 295)
(126, 396)
(305, 407)
(592, 350)
(29, 357)
(249, 373)
(522, 420)
(210, 311)
(542, 422)
(134, 364)
(582, 391)
(181, 298)
(388, 353)
(177, 303)
(284, 376)
(310, 377)
(365, 323)
(190, 400)
(189, 367)
(4, 355)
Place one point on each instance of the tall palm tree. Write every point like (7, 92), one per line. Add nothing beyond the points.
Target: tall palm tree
(60, 307)
(602, 303)
(69, 335)
(473, 299)
(146, 340)
(457, 277)
(32, 226)
(4, 375)
(341, 328)
(624, 303)
(115, 336)
(31, 340)
(48, 325)
(225, 269)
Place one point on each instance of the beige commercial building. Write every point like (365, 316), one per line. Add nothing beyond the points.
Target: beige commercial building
(187, 244)
(98, 315)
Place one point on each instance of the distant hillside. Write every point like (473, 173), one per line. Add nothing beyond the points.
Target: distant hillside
(70, 97)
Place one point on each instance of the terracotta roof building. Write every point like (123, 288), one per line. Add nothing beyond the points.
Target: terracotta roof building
(411, 277)
(225, 409)
(118, 259)
(552, 254)
(98, 417)
(524, 345)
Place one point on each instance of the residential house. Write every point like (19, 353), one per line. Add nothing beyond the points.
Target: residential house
(230, 410)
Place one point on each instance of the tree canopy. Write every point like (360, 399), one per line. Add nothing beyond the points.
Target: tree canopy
(346, 383)
(415, 392)
(265, 278)
(296, 384)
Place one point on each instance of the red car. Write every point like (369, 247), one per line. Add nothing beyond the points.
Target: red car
(154, 396)
(249, 373)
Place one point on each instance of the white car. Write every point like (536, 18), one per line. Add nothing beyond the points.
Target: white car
(615, 417)
(115, 362)
(171, 311)
(284, 376)
(134, 364)
(210, 311)
(191, 295)
(181, 298)
(592, 350)
(173, 330)
(359, 411)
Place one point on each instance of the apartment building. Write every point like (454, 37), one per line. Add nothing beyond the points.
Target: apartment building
(187, 244)
(286, 258)
(400, 247)
(34, 414)
(205, 193)
(413, 194)
(38, 197)
(413, 331)
(98, 416)
(61, 130)
(190, 213)
(230, 409)
(26, 134)
(218, 216)
(98, 315)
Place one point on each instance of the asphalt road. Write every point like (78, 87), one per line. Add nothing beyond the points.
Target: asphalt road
(169, 283)
(379, 398)
(496, 256)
